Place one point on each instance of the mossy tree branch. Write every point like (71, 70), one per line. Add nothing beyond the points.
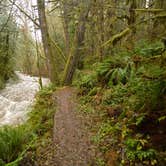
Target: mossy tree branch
(126, 31)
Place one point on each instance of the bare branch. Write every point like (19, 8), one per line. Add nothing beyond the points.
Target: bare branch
(27, 15)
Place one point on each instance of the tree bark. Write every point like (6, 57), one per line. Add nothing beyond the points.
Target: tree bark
(101, 28)
(131, 21)
(75, 53)
(47, 43)
(159, 25)
(65, 16)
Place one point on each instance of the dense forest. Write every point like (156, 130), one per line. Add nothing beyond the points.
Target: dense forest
(112, 52)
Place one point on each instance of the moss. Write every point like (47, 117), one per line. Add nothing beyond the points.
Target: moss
(117, 37)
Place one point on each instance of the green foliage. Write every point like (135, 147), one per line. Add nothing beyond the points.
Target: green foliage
(86, 81)
(105, 129)
(40, 118)
(100, 162)
(142, 90)
(15, 141)
(135, 81)
(12, 140)
(147, 49)
(161, 118)
(135, 150)
(115, 95)
(7, 47)
(86, 108)
(1, 82)
(116, 69)
(93, 91)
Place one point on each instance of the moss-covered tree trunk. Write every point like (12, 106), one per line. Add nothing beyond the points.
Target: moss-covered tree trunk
(159, 25)
(65, 15)
(101, 28)
(131, 22)
(74, 56)
(51, 65)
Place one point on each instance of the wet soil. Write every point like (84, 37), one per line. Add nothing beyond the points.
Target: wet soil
(71, 136)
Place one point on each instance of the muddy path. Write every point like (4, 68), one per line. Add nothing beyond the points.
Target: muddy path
(71, 137)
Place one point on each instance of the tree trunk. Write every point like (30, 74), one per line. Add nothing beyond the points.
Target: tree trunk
(131, 22)
(101, 28)
(51, 66)
(159, 25)
(66, 25)
(75, 52)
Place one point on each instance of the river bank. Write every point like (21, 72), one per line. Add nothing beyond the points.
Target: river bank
(17, 98)
(21, 144)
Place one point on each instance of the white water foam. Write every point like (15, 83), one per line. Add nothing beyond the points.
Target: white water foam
(17, 97)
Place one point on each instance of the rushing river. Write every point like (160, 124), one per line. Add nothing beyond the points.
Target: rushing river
(16, 99)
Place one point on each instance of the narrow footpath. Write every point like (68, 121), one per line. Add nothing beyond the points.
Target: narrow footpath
(71, 137)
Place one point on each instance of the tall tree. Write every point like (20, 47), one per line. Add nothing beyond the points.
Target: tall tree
(65, 15)
(8, 36)
(53, 75)
(74, 57)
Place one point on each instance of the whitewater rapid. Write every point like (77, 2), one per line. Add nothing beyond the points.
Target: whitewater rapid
(17, 98)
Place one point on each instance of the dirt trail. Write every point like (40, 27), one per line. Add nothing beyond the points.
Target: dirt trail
(73, 147)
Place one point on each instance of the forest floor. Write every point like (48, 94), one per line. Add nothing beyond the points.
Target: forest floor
(71, 135)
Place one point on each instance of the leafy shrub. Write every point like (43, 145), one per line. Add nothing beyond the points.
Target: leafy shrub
(135, 151)
(110, 63)
(105, 129)
(86, 81)
(117, 76)
(115, 95)
(144, 94)
(114, 70)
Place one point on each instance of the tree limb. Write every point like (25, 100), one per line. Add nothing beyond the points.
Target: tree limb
(118, 36)
(27, 15)
(150, 10)
(58, 49)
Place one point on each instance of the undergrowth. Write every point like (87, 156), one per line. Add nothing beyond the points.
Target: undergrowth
(16, 142)
(130, 88)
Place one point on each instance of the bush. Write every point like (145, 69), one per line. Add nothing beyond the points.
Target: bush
(135, 151)
(114, 70)
(86, 81)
